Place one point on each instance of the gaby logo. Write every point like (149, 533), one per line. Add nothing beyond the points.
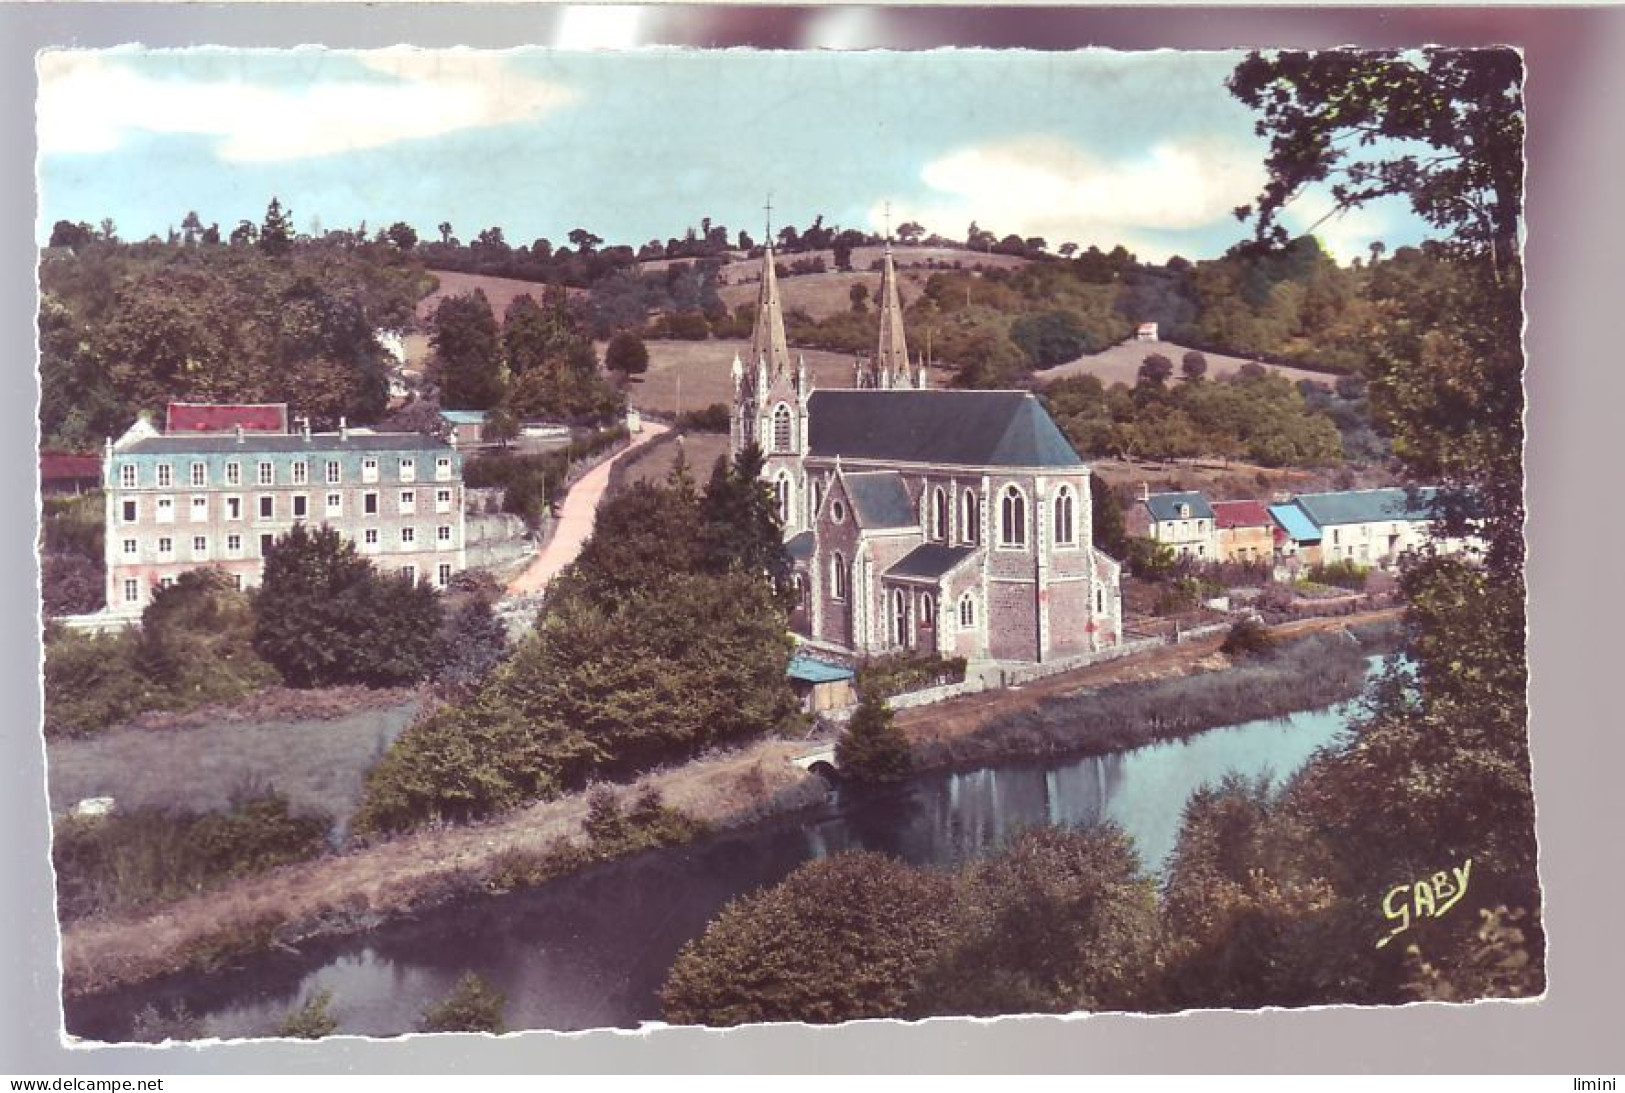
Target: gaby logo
(1430, 897)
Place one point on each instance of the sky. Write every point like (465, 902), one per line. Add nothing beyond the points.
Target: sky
(1147, 150)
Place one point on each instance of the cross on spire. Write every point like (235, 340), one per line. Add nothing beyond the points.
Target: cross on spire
(888, 221)
(768, 208)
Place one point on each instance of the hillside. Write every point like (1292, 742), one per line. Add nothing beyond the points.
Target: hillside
(1121, 364)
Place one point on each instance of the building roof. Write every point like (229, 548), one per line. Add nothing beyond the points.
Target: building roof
(1367, 506)
(205, 417)
(807, 670)
(953, 428)
(880, 500)
(464, 417)
(929, 562)
(800, 547)
(767, 341)
(1295, 523)
(286, 443)
(1241, 514)
(1165, 506)
(891, 350)
(68, 467)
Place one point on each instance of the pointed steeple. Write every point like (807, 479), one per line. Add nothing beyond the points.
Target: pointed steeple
(767, 341)
(891, 354)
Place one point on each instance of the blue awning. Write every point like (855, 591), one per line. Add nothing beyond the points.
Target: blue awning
(807, 670)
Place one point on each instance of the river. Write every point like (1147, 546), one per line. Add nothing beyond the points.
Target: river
(591, 950)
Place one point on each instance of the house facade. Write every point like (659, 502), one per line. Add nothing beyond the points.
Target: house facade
(1375, 528)
(955, 522)
(178, 502)
(1245, 532)
(1182, 522)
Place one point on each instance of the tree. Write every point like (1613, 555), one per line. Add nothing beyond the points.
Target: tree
(859, 295)
(65, 233)
(472, 1006)
(584, 240)
(501, 426)
(909, 232)
(401, 235)
(276, 231)
(326, 616)
(873, 749)
(446, 238)
(1465, 105)
(191, 228)
(468, 353)
(1193, 365)
(626, 355)
(245, 234)
(840, 939)
(310, 1021)
(471, 644)
(740, 528)
(1155, 370)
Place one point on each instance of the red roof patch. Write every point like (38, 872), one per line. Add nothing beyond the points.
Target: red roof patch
(67, 467)
(1240, 514)
(202, 417)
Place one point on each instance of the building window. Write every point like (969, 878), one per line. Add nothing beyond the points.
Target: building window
(442, 469)
(408, 536)
(369, 503)
(166, 582)
(335, 504)
(369, 540)
(266, 541)
(334, 475)
(837, 512)
(237, 581)
(234, 546)
(301, 506)
(369, 470)
(166, 510)
(968, 511)
(1100, 601)
(234, 474)
(166, 476)
(128, 512)
(899, 615)
(1013, 518)
(200, 510)
(267, 506)
(967, 612)
(166, 548)
(939, 514)
(409, 573)
(200, 548)
(409, 502)
(131, 548)
(1184, 512)
(1064, 529)
(132, 591)
(781, 429)
(442, 576)
(128, 476)
(200, 474)
(928, 611)
(442, 500)
(301, 473)
(817, 497)
(267, 474)
(839, 576)
(442, 533)
(781, 495)
(409, 470)
(234, 508)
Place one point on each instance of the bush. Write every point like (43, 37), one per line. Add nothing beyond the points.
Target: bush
(1339, 574)
(873, 749)
(898, 673)
(154, 1026)
(1247, 637)
(472, 1006)
(713, 419)
(91, 682)
(310, 1021)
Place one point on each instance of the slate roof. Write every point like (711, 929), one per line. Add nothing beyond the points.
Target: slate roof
(880, 500)
(286, 443)
(1165, 506)
(464, 417)
(1367, 506)
(1295, 523)
(952, 428)
(203, 417)
(1241, 514)
(68, 467)
(807, 670)
(800, 547)
(929, 562)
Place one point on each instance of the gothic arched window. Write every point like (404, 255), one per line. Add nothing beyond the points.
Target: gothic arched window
(939, 515)
(967, 611)
(968, 508)
(1013, 518)
(928, 611)
(899, 611)
(781, 494)
(1065, 530)
(839, 576)
(781, 428)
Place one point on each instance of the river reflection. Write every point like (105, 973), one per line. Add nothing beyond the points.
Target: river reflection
(592, 950)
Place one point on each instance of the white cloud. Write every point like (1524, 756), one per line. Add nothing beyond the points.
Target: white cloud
(1053, 188)
(1349, 234)
(89, 102)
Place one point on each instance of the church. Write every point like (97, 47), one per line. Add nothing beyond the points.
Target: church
(951, 522)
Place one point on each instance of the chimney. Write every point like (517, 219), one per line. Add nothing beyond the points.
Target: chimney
(344, 428)
(1145, 491)
(238, 429)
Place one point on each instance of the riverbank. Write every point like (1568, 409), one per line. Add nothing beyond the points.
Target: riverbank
(360, 889)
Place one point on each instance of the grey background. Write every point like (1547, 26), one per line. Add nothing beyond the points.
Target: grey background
(1576, 151)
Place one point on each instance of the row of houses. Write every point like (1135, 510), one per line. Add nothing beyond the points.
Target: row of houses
(1371, 528)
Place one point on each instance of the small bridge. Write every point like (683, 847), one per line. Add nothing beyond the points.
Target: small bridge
(820, 761)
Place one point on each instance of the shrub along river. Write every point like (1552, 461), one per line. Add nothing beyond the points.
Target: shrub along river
(592, 949)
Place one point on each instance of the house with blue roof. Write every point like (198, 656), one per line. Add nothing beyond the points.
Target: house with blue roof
(1377, 527)
(954, 522)
(1183, 522)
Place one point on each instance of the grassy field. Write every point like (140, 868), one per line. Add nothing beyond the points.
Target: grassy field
(1121, 364)
(317, 764)
(700, 449)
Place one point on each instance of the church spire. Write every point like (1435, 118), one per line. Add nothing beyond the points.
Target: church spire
(767, 341)
(891, 355)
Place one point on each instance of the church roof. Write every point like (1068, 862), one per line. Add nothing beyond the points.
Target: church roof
(930, 561)
(880, 500)
(953, 428)
(767, 340)
(891, 350)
